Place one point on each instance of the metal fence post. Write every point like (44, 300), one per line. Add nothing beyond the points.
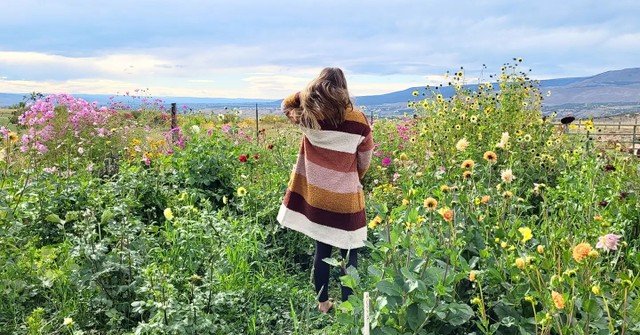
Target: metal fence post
(174, 121)
(257, 127)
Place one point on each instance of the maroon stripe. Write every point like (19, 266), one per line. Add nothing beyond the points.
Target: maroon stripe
(347, 222)
(347, 126)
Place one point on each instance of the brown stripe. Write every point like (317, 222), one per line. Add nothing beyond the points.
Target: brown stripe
(347, 203)
(347, 222)
(351, 127)
(330, 159)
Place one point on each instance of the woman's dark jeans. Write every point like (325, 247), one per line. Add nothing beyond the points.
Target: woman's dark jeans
(321, 270)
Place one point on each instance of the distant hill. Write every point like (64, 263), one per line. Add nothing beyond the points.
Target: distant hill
(620, 86)
(579, 96)
(7, 99)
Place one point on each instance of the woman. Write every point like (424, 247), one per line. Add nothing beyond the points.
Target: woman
(324, 198)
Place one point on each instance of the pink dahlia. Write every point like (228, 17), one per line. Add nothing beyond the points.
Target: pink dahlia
(608, 242)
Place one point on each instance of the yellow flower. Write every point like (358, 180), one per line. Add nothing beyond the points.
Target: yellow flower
(375, 222)
(466, 174)
(581, 251)
(13, 137)
(472, 276)
(462, 144)
(520, 263)
(405, 202)
(540, 249)
(430, 204)
(467, 164)
(526, 234)
(504, 245)
(594, 253)
(490, 157)
(168, 214)
(558, 300)
(595, 289)
(404, 157)
(445, 188)
(242, 191)
(597, 218)
(225, 200)
(507, 194)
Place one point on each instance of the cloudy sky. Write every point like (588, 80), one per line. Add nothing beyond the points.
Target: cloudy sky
(266, 49)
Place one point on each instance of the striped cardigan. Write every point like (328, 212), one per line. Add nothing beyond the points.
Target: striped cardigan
(324, 198)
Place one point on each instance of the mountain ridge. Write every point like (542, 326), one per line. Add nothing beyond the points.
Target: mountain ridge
(614, 86)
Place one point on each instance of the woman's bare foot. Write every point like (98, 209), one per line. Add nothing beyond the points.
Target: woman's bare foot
(325, 306)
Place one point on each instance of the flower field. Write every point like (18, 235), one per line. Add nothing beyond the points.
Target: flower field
(485, 218)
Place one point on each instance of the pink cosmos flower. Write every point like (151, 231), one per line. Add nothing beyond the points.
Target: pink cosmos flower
(386, 161)
(608, 242)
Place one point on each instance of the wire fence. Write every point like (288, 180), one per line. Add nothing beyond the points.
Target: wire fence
(623, 130)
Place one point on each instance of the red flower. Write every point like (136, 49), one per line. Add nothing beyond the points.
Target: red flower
(243, 158)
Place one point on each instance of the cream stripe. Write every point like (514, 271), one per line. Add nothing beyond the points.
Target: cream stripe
(327, 179)
(333, 140)
(329, 235)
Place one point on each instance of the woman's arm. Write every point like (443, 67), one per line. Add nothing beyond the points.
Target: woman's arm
(365, 152)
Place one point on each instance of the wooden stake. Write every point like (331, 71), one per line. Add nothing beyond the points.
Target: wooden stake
(365, 329)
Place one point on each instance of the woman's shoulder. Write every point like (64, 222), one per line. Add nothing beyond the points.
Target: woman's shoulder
(355, 115)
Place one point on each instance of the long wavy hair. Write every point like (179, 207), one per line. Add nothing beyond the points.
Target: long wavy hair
(325, 99)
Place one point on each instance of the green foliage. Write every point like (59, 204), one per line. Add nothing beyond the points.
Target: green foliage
(147, 234)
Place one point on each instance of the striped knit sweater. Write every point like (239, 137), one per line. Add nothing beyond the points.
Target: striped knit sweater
(324, 198)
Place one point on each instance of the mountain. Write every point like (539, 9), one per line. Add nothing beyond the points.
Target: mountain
(7, 99)
(620, 86)
(568, 95)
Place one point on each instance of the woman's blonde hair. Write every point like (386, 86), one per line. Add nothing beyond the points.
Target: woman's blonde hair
(326, 98)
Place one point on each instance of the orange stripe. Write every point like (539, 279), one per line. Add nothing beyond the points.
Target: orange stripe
(355, 115)
(344, 203)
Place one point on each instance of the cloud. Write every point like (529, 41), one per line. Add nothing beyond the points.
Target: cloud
(266, 49)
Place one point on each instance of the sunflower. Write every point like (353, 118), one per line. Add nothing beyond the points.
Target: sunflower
(13, 137)
(490, 157)
(467, 164)
(242, 191)
(430, 204)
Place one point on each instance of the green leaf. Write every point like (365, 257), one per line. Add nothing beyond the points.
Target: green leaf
(432, 275)
(459, 314)
(54, 218)
(415, 316)
(331, 261)
(390, 289)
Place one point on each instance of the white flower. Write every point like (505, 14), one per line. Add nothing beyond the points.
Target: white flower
(68, 322)
(195, 129)
(462, 144)
(504, 140)
(80, 150)
(507, 176)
